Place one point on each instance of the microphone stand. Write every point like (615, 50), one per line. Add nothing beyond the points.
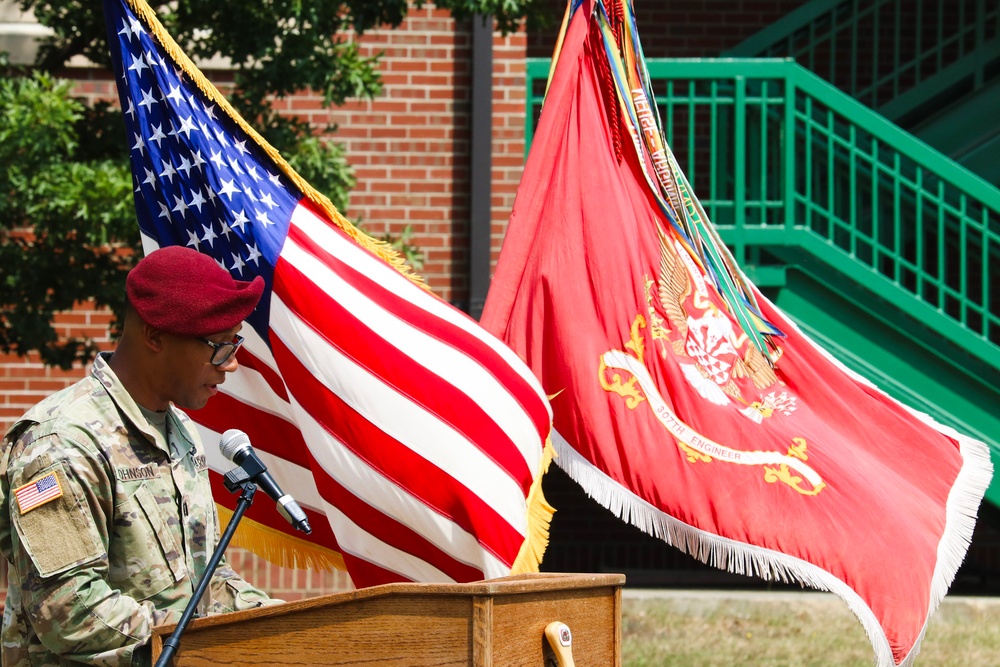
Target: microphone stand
(234, 479)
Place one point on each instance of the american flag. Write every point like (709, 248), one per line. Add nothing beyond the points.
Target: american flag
(412, 438)
(38, 492)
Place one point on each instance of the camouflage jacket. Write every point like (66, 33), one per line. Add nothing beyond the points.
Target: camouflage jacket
(106, 527)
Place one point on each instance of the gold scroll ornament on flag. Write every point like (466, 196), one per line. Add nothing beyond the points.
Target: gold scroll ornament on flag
(709, 355)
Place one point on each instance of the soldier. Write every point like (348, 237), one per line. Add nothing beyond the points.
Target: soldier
(106, 514)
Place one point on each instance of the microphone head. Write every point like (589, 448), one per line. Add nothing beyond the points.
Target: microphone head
(234, 441)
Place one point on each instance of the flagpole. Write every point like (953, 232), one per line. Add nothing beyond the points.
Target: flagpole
(480, 159)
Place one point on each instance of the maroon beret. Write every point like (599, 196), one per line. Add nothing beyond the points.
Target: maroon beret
(182, 291)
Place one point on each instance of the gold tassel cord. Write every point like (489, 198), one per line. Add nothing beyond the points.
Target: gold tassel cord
(280, 548)
(379, 248)
(529, 558)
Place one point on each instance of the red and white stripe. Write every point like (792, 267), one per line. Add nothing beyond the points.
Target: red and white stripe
(387, 413)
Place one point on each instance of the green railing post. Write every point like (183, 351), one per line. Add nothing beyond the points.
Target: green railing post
(740, 167)
(790, 163)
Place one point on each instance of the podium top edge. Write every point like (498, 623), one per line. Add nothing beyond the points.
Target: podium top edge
(499, 588)
(518, 583)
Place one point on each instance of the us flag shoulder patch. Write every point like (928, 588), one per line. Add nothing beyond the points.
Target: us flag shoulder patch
(38, 492)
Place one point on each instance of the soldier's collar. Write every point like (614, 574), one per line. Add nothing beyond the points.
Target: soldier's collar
(103, 373)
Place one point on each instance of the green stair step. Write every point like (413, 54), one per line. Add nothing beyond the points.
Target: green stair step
(967, 131)
(985, 158)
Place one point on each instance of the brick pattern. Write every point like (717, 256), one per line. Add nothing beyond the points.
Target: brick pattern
(286, 583)
(24, 380)
(410, 146)
(509, 74)
(92, 86)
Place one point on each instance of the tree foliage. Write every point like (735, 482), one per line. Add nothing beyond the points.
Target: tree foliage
(67, 227)
(64, 209)
(276, 48)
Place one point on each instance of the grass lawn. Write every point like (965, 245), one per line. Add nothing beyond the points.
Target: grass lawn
(724, 629)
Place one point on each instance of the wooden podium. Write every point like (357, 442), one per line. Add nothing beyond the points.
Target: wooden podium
(494, 623)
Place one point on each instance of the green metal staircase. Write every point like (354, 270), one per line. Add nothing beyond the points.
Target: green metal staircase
(883, 249)
(933, 68)
(930, 66)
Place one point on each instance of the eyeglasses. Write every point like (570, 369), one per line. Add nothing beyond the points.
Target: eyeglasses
(222, 351)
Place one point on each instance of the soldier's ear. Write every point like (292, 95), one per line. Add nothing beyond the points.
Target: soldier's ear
(152, 337)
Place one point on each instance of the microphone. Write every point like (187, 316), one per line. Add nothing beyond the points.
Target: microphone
(235, 446)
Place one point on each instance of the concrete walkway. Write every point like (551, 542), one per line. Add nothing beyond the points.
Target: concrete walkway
(714, 596)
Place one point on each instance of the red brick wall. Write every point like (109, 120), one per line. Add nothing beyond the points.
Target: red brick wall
(508, 131)
(286, 583)
(25, 381)
(410, 146)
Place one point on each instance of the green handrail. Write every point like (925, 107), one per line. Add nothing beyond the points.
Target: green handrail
(892, 55)
(779, 157)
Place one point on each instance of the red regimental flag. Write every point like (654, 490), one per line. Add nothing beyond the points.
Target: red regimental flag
(665, 411)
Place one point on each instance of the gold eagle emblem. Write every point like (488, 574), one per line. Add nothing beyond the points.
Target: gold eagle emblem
(673, 289)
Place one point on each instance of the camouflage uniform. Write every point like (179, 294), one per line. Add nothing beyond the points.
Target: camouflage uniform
(121, 549)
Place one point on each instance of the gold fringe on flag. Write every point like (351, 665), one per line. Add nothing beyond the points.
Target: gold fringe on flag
(280, 548)
(539, 519)
(379, 248)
